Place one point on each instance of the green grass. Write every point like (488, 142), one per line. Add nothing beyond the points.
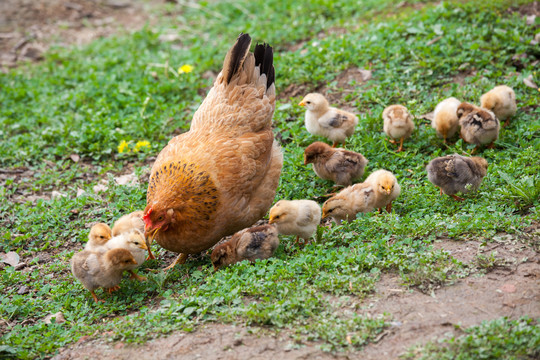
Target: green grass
(86, 101)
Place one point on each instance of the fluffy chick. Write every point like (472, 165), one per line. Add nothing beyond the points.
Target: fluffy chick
(478, 126)
(349, 202)
(95, 270)
(455, 173)
(135, 243)
(99, 234)
(386, 189)
(129, 222)
(296, 217)
(329, 122)
(259, 242)
(398, 124)
(336, 164)
(502, 101)
(445, 120)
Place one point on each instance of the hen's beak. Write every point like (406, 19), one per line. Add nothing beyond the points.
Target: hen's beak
(302, 103)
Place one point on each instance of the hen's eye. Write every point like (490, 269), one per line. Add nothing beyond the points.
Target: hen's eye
(160, 218)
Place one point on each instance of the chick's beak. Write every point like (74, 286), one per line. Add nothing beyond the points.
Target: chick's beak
(143, 246)
(271, 220)
(302, 103)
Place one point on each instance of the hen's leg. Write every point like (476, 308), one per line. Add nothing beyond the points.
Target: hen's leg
(135, 276)
(179, 260)
(150, 255)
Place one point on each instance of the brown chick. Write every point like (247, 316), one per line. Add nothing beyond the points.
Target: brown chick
(221, 176)
(259, 242)
(478, 126)
(95, 270)
(398, 124)
(99, 234)
(455, 173)
(296, 217)
(502, 101)
(445, 120)
(338, 165)
(323, 120)
(358, 198)
(385, 187)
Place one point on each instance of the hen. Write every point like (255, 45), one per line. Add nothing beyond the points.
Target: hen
(221, 176)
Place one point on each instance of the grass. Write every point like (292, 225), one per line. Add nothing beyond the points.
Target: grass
(87, 101)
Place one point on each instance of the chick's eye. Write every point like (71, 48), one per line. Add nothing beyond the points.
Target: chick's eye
(308, 102)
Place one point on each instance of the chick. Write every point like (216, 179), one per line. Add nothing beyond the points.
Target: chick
(129, 222)
(502, 101)
(386, 189)
(445, 120)
(455, 173)
(339, 165)
(349, 202)
(398, 124)
(296, 217)
(95, 270)
(329, 122)
(478, 126)
(259, 242)
(100, 233)
(133, 242)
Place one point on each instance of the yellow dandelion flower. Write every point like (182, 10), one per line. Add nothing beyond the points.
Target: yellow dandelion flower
(185, 69)
(141, 144)
(123, 146)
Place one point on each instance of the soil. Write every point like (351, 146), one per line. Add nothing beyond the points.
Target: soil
(508, 287)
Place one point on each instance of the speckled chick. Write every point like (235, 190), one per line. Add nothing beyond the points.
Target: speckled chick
(95, 270)
(455, 173)
(135, 243)
(259, 242)
(358, 198)
(336, 164)
(323, 120)
(296, 217)
(479, 126)
(385, 187)
(445, 120)
(99, 234)
(502, 101)
(398, 124)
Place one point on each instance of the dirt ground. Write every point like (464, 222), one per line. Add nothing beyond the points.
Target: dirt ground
(510, 288)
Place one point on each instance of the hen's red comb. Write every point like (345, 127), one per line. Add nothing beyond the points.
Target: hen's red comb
(146, 218)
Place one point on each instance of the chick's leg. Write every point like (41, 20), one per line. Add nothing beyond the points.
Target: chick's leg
(440, 191)
(179, 260)
(400, 145)
(114, 288)
(135, 276)
(507, 122)
(457, 198)
(96, 300)
(334, 144)
(389, 207)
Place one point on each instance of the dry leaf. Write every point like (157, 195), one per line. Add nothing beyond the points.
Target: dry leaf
(56, 194)
(80, 192)
(75, 157)
(99, 187)
(11, 258)
(528, 81)
(128, 179)
(508, 288)
(58, 318)
(366, 74)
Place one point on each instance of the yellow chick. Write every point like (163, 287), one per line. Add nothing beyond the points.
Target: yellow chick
(398, 124)
(478, 126)
(129, 222)
(338, 165)
(455, 173)
(329, 122)
(259, 242)
(502, 101)
(99, 234)
(358, 198)
(445, 120)
(135, 243)
(385, 187)
(296, 217)
(95, 270)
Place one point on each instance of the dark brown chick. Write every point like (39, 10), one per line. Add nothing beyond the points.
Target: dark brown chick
(338, 165)
(478, 125)
(455, 173)
(259, 242)
(95, 270)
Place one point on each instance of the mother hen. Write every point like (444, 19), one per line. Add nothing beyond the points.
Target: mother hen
(220, 176)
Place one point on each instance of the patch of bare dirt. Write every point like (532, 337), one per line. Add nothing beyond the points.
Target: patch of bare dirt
(530, 9)
(29, 27)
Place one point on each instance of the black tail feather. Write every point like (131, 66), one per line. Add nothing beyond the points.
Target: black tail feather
(264, 58)
(236, 56)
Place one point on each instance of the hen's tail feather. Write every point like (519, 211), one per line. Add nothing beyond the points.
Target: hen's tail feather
(264, 58)
(236, 56)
